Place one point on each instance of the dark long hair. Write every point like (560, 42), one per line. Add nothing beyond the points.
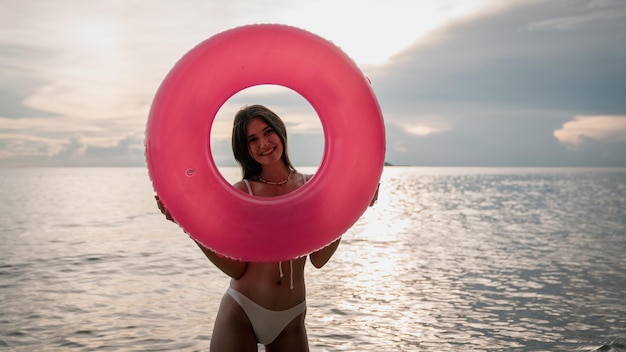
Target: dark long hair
(250, 168)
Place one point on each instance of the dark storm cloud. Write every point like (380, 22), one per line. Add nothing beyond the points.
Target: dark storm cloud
(508, 59)
(505, 81)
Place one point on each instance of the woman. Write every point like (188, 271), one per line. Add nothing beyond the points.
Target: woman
(266, 302)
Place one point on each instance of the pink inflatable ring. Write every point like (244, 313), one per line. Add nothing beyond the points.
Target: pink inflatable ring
(226, 220)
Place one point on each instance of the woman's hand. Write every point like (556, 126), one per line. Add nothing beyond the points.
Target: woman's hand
(375, 198)
(164, 210)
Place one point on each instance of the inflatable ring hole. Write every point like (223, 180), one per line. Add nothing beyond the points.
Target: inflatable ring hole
(304, 128)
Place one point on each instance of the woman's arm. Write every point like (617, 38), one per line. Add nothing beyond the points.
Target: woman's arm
(231, 267)
(164, 210)
(322, 256)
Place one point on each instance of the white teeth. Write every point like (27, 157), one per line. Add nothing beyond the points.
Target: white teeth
(268, 152)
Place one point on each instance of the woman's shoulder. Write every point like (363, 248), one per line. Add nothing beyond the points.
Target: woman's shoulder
(241, 185)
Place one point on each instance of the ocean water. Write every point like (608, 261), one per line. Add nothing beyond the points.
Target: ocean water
(449, 259)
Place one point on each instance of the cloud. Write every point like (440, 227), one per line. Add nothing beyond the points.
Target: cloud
(487, 83)
(597, 14)
(502, 84)
(496, 60)
(601, 128)
(18, 146)
(21, 71)
(425, 130)
(27, 150)
(421, 125)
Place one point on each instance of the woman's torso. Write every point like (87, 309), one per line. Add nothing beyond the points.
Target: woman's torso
(262, 282)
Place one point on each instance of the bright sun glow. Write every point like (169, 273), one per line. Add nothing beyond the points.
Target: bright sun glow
(371, 33)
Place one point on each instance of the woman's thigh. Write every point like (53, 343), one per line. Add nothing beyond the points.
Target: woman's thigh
(292, 339)
(232, 330)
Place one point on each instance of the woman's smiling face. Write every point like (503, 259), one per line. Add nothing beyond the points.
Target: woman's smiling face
(264, 144)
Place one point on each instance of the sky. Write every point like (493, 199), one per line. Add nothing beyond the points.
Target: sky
(459, 82)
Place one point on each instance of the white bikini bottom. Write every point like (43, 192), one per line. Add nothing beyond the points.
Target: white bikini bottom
(267, 324)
